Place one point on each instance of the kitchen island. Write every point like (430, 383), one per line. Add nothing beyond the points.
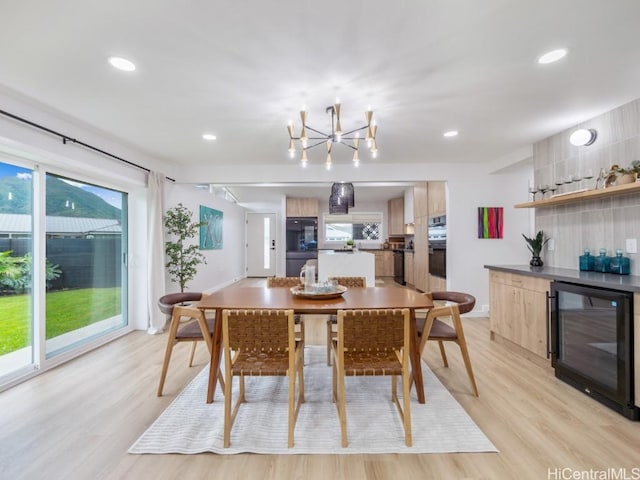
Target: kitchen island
(333, 263)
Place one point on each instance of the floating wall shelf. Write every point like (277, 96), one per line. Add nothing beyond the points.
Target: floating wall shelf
(582, 196)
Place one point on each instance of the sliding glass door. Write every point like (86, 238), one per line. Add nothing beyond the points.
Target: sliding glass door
(63, 272)
(16, 254)
(85, 262)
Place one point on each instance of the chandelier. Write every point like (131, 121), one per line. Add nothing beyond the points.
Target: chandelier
(337, 135)
(342, 197)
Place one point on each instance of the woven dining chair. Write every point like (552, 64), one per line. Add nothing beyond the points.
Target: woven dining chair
(373, 343)
(275, 282)
(187, 325)
(260, 343)
(433, 328)
(332, 322)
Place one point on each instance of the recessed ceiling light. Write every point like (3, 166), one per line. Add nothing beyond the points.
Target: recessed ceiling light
(450, 133)
(552, 56)
(122, 64)
(209, 136)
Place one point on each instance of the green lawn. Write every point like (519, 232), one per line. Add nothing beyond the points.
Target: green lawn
(66, 311)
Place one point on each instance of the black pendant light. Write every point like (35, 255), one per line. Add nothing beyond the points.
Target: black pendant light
(342, 194)
(338, 205)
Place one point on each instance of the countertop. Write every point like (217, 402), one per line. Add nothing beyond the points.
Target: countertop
(627, 283)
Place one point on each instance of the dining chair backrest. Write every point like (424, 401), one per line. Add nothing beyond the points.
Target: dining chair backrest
(166, 302)
(373, 330)
(273, 282)
(465, 301)
(260, 330)
(351, 282)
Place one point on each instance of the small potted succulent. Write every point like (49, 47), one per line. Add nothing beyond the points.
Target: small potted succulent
(535, 246)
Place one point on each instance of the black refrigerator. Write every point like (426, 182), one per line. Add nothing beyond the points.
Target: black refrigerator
(302, 243)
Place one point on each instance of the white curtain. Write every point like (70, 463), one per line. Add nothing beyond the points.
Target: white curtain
(155, 257)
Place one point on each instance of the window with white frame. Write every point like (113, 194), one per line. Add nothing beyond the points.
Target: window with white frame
(353, 226)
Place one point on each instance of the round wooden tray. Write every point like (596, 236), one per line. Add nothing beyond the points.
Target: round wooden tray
(299, 292)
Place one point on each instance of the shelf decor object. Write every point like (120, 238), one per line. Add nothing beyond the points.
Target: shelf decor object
(335, 136)
(300, 292)
(535, 246)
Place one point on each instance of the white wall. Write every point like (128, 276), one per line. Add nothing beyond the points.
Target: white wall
(466, 253)
(223, 266)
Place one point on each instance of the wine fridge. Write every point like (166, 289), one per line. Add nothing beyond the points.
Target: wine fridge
(592, 343)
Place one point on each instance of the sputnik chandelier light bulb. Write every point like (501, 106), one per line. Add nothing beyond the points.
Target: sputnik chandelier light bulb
(337, 135)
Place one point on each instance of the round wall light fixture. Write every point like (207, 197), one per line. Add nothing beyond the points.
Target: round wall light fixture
(583, 137)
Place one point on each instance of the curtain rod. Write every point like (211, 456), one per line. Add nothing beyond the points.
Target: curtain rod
(67, 138)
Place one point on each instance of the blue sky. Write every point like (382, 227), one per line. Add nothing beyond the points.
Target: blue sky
(112, 197)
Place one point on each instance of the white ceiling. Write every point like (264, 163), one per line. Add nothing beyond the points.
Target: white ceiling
(242, 69)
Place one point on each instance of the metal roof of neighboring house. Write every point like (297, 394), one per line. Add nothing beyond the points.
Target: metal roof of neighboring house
(14, 223)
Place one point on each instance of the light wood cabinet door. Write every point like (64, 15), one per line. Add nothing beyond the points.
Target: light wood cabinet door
(436, 199)
(518, 310)
(408, 267)
(420, 201)
(383, 264)
(302, 207)
(396, 216)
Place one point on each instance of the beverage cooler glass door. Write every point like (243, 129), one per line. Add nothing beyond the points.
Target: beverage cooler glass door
(591, 341)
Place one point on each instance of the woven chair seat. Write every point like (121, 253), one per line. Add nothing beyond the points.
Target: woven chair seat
(192, 330)
(370, 363)
(261, 363)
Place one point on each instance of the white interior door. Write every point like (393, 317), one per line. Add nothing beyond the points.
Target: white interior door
(261, 244)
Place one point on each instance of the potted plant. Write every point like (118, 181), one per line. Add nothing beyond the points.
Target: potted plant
(349, 244)
(183, 256)
(535, 246)
(620, 175)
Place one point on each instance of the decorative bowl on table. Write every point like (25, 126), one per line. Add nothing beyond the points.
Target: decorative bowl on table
(318, 291)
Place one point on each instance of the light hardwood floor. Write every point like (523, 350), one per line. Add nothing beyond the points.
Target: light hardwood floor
(78, 420)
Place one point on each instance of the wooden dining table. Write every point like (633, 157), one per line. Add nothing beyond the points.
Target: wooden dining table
(257, 298)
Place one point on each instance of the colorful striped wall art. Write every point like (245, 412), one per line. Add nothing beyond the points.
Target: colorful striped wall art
(490, 222)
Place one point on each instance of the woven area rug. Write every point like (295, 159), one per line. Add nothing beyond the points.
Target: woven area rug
(190, 425)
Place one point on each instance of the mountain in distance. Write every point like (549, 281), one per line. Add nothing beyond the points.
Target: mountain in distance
(63, 199)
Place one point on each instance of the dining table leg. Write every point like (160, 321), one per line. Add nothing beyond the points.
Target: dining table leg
(416, 364)
(216, 351)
